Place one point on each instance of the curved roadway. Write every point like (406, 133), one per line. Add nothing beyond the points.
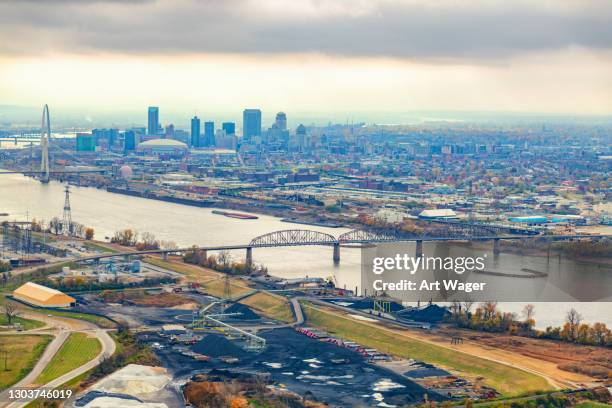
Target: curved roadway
(61, 328)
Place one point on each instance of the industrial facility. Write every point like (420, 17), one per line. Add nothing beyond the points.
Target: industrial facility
(42, 296)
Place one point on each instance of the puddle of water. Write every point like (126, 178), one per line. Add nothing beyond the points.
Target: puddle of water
(386, 385)
(273, 365)
(311, 365)
(313, 360)
(287, 373)
(314, 377)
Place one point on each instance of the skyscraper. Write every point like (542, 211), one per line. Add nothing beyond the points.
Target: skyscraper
(209, 134)
(229, 128)
(251, 123)
(195, 132)
(153, 122)
(170, 131)
(300, 134)
(281, 121)
(129, 141)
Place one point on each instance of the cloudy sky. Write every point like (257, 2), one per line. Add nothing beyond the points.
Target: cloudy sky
(317, 56)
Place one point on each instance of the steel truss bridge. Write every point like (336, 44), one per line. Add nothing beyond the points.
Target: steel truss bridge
(298, 237)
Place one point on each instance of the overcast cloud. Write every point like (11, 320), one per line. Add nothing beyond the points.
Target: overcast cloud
(436, 29)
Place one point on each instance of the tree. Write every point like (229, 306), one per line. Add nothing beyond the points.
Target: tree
(224, 259)
(599, 334)
(89, 233)
(11, 312)
(490, 309)
(168, 245)
(528, 314)
(467, 305)
(572, 321)
(148, 241)
(126, 237)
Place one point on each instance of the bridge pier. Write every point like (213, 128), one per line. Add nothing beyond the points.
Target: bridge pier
(249, 258)
(496, 246)
(336, 255)
(419, 249)
(204, 254)
(165, 256)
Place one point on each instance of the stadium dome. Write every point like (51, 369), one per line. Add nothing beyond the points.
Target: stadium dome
(162, 146)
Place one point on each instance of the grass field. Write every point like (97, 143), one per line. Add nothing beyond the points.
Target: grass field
(272, 306)
(21, 355)
(98, 247)
(97, 320)
(507, 380)
(592, 404)
(211, 281)
(26, 323)
(76, 351)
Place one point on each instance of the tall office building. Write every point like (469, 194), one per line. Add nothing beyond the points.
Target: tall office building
(153, 122)
(129, 141)
(251, 123)
(195, 132)
(300, 134)
(229, 128)
(209, 134)
(85, 142)
(169, 131)
(281, 121)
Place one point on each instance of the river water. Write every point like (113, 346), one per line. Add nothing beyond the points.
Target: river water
(106, 212)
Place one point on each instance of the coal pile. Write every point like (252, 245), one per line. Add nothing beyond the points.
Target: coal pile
(431, 314)
(245, 312)
(216, 345)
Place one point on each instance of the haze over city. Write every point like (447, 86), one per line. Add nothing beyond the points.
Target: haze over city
(305, 203)
(320, 60)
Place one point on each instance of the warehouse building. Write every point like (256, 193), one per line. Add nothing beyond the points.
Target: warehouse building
(42, 296)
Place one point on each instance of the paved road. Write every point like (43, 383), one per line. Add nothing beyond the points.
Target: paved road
(297, 309)
(61, 327)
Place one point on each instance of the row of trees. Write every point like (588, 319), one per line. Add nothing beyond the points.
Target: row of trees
(56, 226)
(487, 317)
(146, 240)
(222, 262)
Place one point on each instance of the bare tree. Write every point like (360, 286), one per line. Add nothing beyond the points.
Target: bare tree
(224, 259)
(168, 245)
(467, 305)
(11, 312)
(528, 312)
(490, 308)
(573, 320)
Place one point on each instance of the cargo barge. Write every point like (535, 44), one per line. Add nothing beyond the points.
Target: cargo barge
(167, 198)
(240, 216)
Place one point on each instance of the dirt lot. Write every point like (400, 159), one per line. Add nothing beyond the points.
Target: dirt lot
(588, 360)
(142, 298)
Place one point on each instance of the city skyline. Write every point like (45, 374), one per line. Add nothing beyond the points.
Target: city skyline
(324, 59)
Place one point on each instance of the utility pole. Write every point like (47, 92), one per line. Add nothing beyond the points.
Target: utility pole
(227, 288)
(67, 218)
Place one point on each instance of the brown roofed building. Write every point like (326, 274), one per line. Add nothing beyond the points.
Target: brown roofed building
(39, 295)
